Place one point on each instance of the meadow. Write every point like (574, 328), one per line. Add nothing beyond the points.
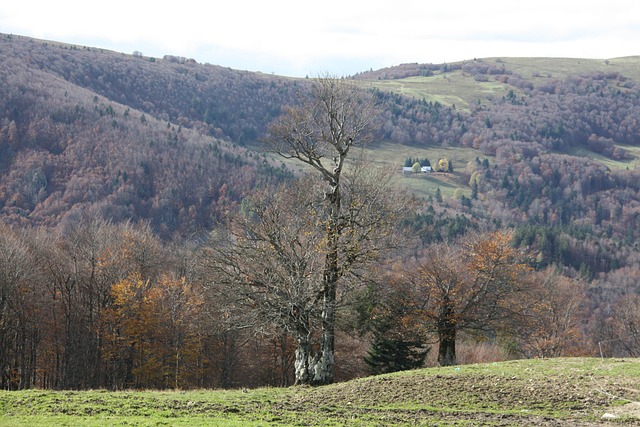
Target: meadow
(459, 89)
(535, 392)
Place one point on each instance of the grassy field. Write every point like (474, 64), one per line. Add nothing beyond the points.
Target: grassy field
(424, 185)
(552, 392)
(390, 155)
(560, 68)
(633, 163)
(452, 88)
(461, 89)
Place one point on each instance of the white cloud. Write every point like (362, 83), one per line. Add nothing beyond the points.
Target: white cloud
(296, 38)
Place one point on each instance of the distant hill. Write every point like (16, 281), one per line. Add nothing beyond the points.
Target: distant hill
(556, 145)
(464, 83)
(547, 146)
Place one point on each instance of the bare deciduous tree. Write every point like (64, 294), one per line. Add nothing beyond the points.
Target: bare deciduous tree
(269, 264)
(17, 326)
(551, 327)
(321, 132)
(265, 266)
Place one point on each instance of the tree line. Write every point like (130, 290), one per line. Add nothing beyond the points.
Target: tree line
(100, 305)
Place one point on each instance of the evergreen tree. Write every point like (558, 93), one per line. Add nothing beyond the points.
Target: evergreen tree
(394, 354)
(394, 346)
(474, 190)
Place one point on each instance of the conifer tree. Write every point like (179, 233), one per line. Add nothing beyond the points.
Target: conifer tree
(394, 354)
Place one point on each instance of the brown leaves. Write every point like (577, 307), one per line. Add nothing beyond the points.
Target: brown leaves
(473, 280)
(154, 327)
(551, 327)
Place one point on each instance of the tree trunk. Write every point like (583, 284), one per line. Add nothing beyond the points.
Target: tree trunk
(323, 363)
(229, 358)
(321, 367)
(303, 360)
(447, 336)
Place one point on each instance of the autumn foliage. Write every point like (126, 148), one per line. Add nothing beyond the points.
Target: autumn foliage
(475, 285)
(153, 332)
(102, 305)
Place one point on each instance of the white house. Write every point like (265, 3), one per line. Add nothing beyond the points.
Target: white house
(409, 169)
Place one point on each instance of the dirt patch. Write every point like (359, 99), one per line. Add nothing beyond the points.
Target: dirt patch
(629, 412)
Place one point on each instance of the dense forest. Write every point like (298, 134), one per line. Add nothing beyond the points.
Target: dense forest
(115, 168)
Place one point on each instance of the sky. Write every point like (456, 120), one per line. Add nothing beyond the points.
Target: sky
(337, 37)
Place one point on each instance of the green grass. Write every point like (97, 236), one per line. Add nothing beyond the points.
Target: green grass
(390, 155)
(452, 88)
(560, 68)
(141, 408)
(564, 391)
(632, 163)
(424, 185)
(461, 89)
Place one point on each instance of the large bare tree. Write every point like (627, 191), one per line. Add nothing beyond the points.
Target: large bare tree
(322, 132)
(268, 264)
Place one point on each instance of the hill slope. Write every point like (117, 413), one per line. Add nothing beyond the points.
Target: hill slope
(557, 145)
(73, 139)
(547, 146)
(465, 83)
(550, 144)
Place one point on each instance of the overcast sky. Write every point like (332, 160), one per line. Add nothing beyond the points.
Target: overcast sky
(340, 37)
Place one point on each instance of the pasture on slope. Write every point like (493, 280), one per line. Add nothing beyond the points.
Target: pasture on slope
(460, 89)
(386, 154)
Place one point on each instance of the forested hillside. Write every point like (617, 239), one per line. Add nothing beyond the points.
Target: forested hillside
(115, 168)
(80, 132)
(559, 155)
